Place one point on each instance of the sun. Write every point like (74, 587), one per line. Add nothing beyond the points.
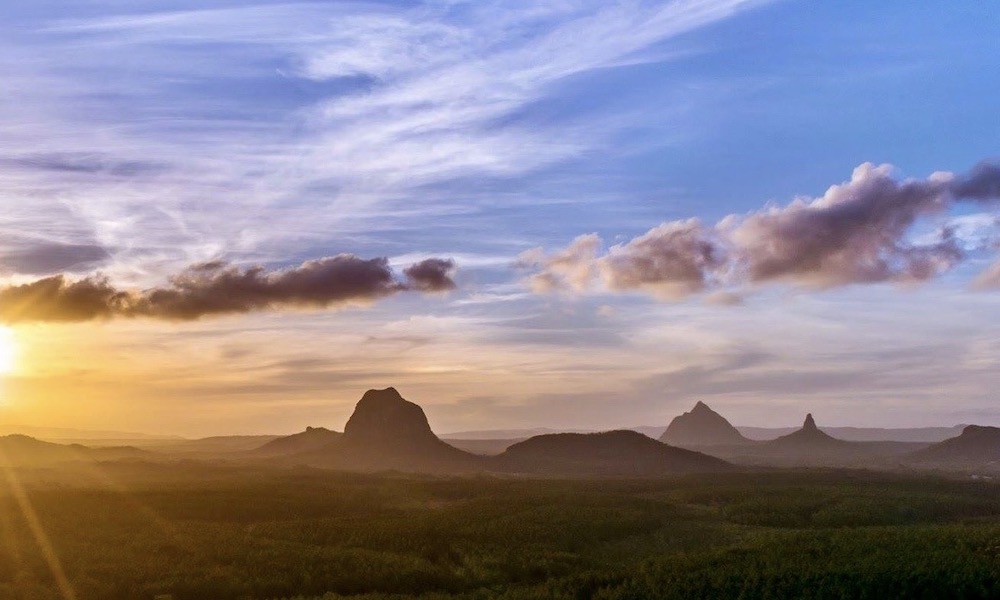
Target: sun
(8, 350)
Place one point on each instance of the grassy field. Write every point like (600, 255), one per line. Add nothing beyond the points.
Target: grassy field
(215, 532)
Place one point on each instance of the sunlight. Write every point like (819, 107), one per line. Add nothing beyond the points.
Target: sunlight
(8, 350)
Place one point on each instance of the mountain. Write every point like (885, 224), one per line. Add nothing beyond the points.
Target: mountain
(67, 435)
(702, 426)
(22, 450)
(209, 447)
(610, 453)
(499, 434)
(313, 438)
(508, 435)
(927, 435)
(809, 446)
(976, 445)
(809, 437)
(388, 432)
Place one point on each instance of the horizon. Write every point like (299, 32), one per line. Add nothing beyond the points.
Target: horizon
(225, 219)
(15, 429)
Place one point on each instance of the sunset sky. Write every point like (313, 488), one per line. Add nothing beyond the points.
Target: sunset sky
(221, 217)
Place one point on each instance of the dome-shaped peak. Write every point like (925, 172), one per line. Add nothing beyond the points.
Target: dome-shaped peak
(387, 394)
(385, 417)
(701, 407)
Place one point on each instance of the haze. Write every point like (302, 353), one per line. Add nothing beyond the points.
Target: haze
(224, 219)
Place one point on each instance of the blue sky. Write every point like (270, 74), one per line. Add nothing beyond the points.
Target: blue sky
(137, 141)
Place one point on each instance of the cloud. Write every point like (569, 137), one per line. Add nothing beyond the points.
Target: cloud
(855, 233)
(573, 268)
(217, 288)
(358, 108)
(858, 232)
(92, 163)
(431, 275)
(724, 298)
(988, 279)
(982, 182)
(672, 260)
(33, 258)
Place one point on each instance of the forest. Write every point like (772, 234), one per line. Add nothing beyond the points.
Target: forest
(197, 530)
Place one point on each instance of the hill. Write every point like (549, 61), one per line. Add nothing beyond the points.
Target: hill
(925, 435)
(809, 438)
(313, 438)
(19, 450)
(809, 446)
(977, 445)
(614, 453)
(701, 426)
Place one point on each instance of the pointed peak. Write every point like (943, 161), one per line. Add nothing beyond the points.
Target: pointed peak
(701, 426)
(810, 423)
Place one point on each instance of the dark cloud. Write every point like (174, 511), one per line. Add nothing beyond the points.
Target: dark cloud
(982, 182)
(58, 299)
(431, 275)
(857, 232)
(35, 258)
(219, 289)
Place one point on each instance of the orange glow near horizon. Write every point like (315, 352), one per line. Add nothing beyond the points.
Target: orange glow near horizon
(8, 351)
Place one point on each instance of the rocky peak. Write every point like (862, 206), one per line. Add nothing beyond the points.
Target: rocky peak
(383, 417)
(701, 426)
(809, 424)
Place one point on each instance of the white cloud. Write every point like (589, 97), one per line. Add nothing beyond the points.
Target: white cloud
(297, 151)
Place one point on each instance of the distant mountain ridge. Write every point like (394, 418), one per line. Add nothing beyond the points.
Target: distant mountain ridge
(976, 445)
(861, 434)
(386, 431)
(313, 438)
(19, 450)
(68, 434)
(928, 435)
(522, 434)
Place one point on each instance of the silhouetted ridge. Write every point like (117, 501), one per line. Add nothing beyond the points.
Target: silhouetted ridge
(977, 444)
(22, 450)
(313, 438)
(702, 426)
(609, 453)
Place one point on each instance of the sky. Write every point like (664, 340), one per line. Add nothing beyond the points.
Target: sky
(221, 218)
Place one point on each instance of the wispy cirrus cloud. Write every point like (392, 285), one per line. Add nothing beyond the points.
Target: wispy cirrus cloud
(257, 132)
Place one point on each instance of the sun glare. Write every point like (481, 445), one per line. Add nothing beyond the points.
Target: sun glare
(8, 350)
